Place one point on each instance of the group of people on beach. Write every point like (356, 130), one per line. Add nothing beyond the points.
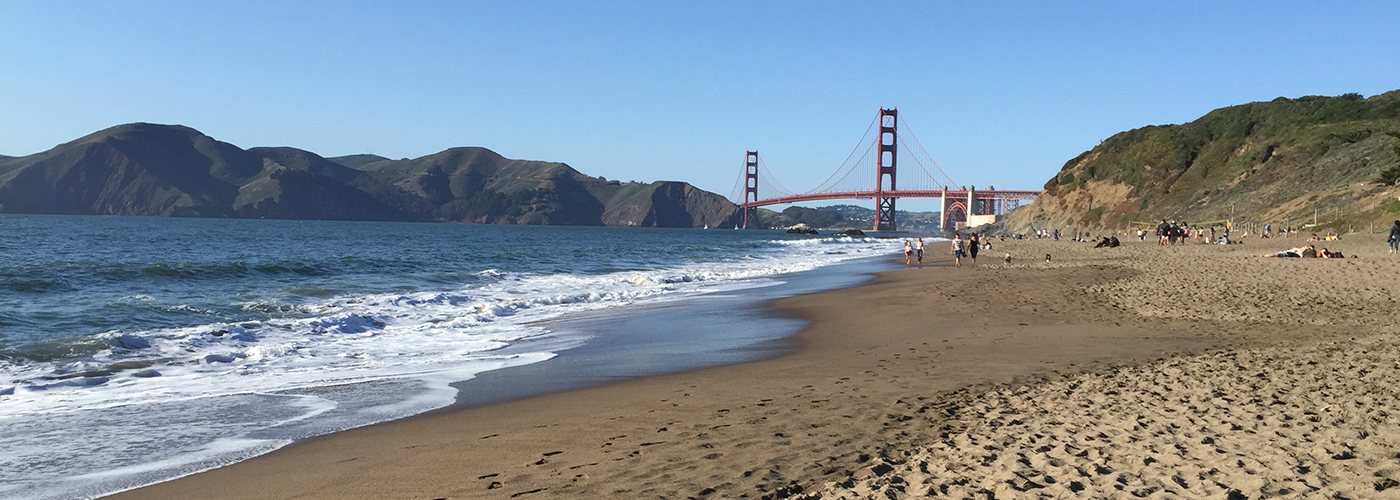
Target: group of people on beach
(917, 246)
(1168, 234)
(969, 247)
(914, 250)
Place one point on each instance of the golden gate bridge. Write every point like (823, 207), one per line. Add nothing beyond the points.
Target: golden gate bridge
(851, 180)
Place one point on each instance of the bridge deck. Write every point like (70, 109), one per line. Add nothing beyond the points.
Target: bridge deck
(846, 195)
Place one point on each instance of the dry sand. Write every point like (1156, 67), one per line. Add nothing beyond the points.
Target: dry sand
(1185, 372)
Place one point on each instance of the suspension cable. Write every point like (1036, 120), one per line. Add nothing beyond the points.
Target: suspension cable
(738, 196)
(851, 170)
(848, 157)
(782, 189)
(930, 157)
(927, 175)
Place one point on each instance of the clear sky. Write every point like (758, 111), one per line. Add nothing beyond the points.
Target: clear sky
(1001, 93)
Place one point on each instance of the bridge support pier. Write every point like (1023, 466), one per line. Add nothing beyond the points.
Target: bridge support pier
(884, 206)
(943, 210)
(971, 202)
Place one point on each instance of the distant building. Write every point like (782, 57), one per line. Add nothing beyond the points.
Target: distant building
(981, 220)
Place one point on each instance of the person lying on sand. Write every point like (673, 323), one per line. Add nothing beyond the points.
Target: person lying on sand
(1292, 252)
(1326, 254)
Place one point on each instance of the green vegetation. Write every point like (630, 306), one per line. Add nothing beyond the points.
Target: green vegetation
(1253, 158)
(1389, 176)
(1094, 214)
(488, 205)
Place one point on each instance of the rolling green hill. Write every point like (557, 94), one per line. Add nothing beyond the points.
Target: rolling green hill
(172, 170)
(1282, 161)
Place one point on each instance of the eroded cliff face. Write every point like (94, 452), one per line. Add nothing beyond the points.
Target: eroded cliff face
(1076, 208)
(1281, 161)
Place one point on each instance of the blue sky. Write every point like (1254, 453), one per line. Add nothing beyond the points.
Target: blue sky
(1001, 93)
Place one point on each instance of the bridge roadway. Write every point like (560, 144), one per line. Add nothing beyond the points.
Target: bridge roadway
(847, 195)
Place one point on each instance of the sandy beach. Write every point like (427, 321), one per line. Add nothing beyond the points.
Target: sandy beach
(1142, 371)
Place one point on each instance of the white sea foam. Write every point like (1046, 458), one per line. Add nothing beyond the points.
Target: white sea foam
(222, 392)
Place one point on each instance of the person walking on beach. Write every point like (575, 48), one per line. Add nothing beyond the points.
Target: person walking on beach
(1163, 230)
(972, 246)
(1395, 237)
(957, 250)
(919, 249)
(908, 251)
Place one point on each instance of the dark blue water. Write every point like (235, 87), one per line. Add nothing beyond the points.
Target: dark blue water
(191, 343)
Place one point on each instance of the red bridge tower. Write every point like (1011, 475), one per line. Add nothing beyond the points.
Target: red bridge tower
(750, 187)
(884, 209)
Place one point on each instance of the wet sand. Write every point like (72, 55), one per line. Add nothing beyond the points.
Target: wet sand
(1164, 372)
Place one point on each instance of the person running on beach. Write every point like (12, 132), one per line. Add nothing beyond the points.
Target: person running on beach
(919, 249)
(1395, 237)
(972, 246)
(957, 250)
(908, 251)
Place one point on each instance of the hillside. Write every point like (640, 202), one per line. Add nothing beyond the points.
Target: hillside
(1284, 162)
(172, 170)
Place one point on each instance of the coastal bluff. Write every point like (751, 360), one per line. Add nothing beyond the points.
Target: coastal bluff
(143, 169)
(1330, 161)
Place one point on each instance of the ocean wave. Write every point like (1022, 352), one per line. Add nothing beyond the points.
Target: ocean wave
(360, 323)
(398, 333)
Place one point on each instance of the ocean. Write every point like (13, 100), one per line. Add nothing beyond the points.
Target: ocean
(136, 350)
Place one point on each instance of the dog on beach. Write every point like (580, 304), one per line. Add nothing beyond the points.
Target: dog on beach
(1008, 259)
(1047, 257)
